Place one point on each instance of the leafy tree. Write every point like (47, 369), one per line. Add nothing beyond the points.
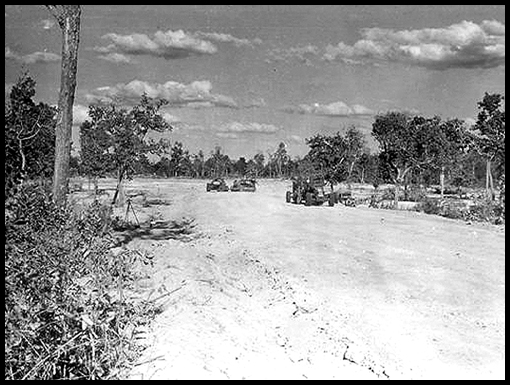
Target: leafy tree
(259, 160)
(279, 158)
(29, 136)
(327, 155)
(96, 161)
(180, 163)
(163, 167)
(68, 18)
(450, 143)
(240, 166)
(198, 164)
(489, 134)
(121, 138)
(407, 143)
(218, 164)
(365, 168)
(355, 143)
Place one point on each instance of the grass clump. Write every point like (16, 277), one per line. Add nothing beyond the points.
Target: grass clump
(67, 315)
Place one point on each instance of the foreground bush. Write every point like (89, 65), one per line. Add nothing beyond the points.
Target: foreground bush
(481, 211)
(66, 313)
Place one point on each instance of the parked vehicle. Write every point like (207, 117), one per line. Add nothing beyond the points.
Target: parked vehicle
(310, 191)
(244, 185)
(346, 198)
(217, 184)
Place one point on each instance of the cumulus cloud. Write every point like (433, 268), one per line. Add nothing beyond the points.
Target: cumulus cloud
(228, 38)
(197, 94)
(296, 139)
(115, 58)
(332, 109)
(251, 127)
(303, 54)
(168, 45)
(80, 114)
(462, 45)
(47, 24)
(33, 58)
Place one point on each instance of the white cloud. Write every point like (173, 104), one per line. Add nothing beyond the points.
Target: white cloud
(197, 94)
(469, 122)
(462, 45)
(252, 127)
(303, 54)
(168, 45)
(332, 109)
(8, 88)
(228, 38)
(33, 58)
(227, 135)
(80, 114)
(47, 24)
(115, 58)
(296, 139)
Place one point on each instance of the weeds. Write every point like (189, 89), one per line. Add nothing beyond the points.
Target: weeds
(67, 315)
(481, 211)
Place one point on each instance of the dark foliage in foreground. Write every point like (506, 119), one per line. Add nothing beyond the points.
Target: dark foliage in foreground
(66, 312)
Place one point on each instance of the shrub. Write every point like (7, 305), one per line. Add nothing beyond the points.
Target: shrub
(429, 206)
(65, 313)
(487, 211)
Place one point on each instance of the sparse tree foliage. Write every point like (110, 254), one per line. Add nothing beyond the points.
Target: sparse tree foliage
(489, 135)
(29, 136)
(118, 139)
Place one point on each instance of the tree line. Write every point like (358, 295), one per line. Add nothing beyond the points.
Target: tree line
(118, 141)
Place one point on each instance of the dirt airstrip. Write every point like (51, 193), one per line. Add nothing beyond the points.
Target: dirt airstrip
(253, 287)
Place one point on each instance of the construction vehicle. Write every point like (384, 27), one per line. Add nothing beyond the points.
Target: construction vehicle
(310, 191)
(217, 184)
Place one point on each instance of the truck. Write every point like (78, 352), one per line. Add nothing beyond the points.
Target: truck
(310, 191)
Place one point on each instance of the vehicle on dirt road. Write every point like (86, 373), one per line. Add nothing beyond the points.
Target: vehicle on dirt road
(310, 191)
(346, 198)
(244, 185)
(217, 184)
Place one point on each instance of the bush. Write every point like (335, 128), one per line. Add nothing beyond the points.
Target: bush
(65, 313)
(481, 211)
(429, 206)
(484, 211)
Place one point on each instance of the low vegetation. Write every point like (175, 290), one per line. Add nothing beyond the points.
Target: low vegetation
(68, 314)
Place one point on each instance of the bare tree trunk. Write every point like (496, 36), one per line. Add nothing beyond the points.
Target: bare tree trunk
(68, 17)
(441, 181)
(119, 192)
(489, 185)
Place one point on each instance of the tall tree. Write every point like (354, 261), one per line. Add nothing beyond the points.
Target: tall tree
(489, 135)
(259, 160)
(280, 158)
(68, 18)
(355, 142)
(450, 143)
(123, 135)
(199, 164)
(29, 136)
(327, 154)
(405, 143)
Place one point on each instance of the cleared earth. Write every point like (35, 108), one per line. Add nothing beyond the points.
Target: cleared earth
(256, 288)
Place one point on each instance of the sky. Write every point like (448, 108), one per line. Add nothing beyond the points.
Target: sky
(247, 77)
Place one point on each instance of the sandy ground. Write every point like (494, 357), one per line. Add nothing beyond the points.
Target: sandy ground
(256, 288)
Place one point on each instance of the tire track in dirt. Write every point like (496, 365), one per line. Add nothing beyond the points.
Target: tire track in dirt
(270, 291)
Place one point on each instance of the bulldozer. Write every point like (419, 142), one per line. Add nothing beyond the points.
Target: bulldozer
(310, 191)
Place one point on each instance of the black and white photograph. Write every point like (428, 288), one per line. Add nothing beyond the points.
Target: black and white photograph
(254, 192)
